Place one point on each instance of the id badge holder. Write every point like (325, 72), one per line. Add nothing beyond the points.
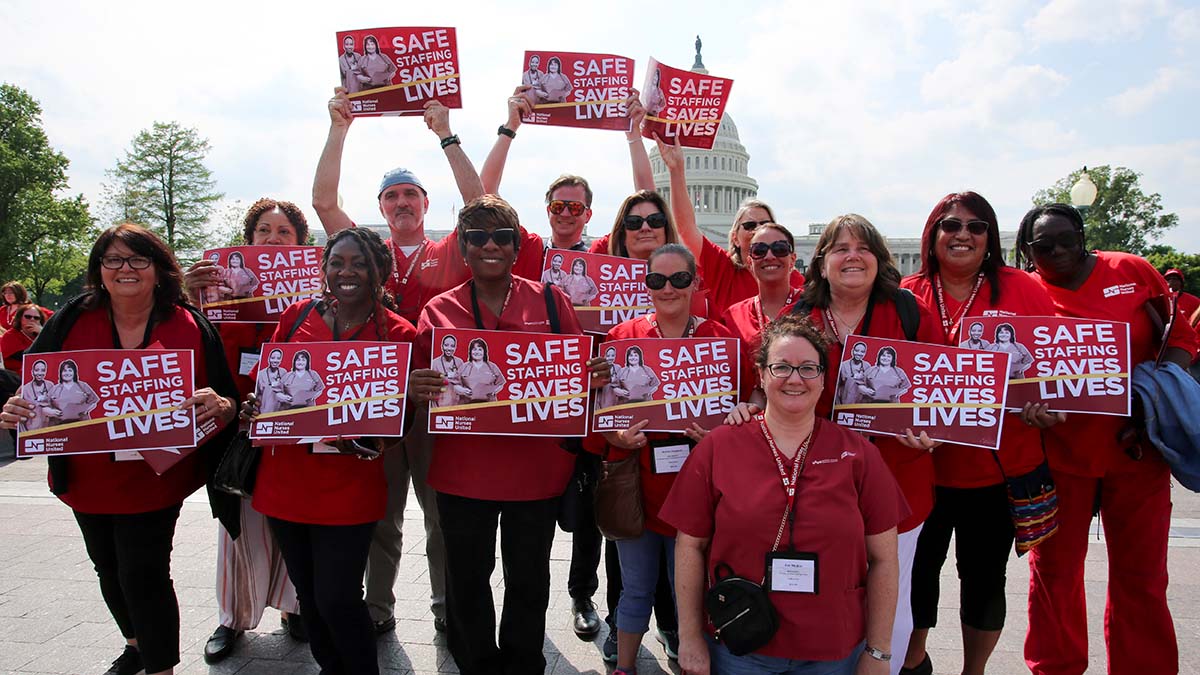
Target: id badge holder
(792, 572)
(668, 455)
(247, 360)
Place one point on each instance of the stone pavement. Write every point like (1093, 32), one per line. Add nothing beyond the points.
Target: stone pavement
(52, 619)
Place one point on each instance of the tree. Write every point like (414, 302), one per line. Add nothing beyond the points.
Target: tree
(162, 183)
(1123, 218)
(1165, 257)
(55, 238)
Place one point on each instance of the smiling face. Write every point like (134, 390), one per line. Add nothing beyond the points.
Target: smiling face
(534, 62)
(792, 394)
(126, 283)
(556, 262)
(235, 260)
(568, 228)
(371, 46)
(490, 262)
(66, 372)
(449, 344)
(552, 66)
(274, 229)
(1064, 261)
(743, 236)
(633, 358)
(347, 273)
(849, 265)
(39, 371)
(477, 353)
(403, 206)
(668, 300)
(976, 331)
(579, 267)
(275, 358)
(348, 44)
(10, 296)
(300, 362)
(769, 269)
(1003, 334)
(859, 352)
(642, 242)
(960, 253)
(610, 355)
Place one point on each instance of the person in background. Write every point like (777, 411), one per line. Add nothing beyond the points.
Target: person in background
(29, 323)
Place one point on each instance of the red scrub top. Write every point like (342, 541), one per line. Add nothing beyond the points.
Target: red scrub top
(745, 320)
(301, 486)
(726, 283)
(729, 491)
(497, 468)
(1117, 289)
(13, 345)
(961, 466)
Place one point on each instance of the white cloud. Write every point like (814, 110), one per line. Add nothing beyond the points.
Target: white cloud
(1138, 99)
(1084, 20)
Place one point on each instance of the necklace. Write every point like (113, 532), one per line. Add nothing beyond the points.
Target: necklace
(832, 318)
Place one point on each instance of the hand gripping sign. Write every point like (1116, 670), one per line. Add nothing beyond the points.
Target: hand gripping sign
(396, 71)
(311, 391)
(605, 289)
(954, 395)
(684, 105)
(1074, 365)
(568, 89)
(256, 283)
(510, 383)
(105, 400)
(672, 382)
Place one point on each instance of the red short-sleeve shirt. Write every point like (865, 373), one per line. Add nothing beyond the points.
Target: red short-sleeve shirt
(744, 319)
(726, 283)
(729, 491)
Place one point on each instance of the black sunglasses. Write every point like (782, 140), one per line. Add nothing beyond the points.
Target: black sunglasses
(780, 249)
(680, 280)
(1046, 245)
(954, 225)
(656, 221)
(504, 236)
(751, 225)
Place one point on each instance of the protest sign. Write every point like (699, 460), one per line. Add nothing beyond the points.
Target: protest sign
(569, 89)
(309, 391)
(673, 383)
(1074, 365)
(954, 395)
(105, 400)
(605, 289)
(684, 105)
(258, 282)
(396, 71)
(510, 383)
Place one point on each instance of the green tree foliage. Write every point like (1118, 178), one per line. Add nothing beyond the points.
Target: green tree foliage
(1164, 258)
(1123, 217)
(162, 183)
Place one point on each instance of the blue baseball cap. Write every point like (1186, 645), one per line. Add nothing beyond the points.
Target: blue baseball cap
(399, 176)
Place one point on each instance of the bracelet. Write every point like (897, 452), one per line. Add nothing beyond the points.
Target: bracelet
(450, 140)
(877, 654)
(505, 131)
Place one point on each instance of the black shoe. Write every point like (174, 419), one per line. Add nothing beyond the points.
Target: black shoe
(608, 650)
(587, 621)
(439, 624)
(670, 642)
(925, 667)
(220, 644)
(128, 663)
(385, 626)
(295, 626)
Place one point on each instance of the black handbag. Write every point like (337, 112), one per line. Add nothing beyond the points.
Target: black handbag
(238, 468)
(741, 611)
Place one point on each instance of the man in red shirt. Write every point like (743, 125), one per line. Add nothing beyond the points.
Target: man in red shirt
(1188, 303)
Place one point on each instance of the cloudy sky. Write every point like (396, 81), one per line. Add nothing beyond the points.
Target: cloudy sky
(875, 107)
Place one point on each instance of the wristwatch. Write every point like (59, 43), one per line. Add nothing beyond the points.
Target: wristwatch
(877, 654)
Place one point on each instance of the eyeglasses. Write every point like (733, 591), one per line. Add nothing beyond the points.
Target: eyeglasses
(504, 236)
(656, 221)
(780, 249)
(1046, 245)
(116, 262)
(782, 371)
(680, 280)
(752, 225)
(573, 207)
(954, 225)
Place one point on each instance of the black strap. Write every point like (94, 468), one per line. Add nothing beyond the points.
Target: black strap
(910, 313)
(551, 308)
(475, 308)
(304, 315)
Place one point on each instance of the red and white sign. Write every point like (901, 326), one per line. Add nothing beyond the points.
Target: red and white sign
(396, 71)
(684, 105)
(954, 395)
(569, 89)
(259, 282)
(105, 400)
(1074, 365)
(310, 391)
(673, 383)
(510, 383)
(605, 289)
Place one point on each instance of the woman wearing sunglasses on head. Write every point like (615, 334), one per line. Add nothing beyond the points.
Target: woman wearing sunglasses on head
(670, 283)
(963, 275)
(1098, 462)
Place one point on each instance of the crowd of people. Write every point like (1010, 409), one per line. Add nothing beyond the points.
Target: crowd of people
(832, 539)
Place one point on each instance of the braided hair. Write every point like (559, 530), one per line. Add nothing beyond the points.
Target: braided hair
(1024, 257)
(265, 204)
(379, 268)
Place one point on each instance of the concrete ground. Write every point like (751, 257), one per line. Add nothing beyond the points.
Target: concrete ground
(52, 619)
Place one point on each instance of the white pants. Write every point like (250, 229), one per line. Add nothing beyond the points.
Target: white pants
(906, 545)
(251, 574)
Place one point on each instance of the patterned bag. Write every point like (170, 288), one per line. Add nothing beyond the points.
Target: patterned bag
(1033, 505)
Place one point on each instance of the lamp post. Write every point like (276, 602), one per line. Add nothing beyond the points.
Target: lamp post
(1083, 193)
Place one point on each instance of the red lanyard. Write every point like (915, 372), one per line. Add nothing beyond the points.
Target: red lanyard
(789, 482)
(762, 316)
(687, 332)
(951, 325)
(829, 319)
(402, 282)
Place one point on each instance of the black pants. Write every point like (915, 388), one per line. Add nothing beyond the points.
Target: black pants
(664, 599)
(132, 556)
(983, 536)
(526, 532)
(586, 541)
(326, 564)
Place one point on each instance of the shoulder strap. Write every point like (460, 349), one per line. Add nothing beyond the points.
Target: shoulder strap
(551, 308)
(300, 319)
(802, 308)
(910, 314)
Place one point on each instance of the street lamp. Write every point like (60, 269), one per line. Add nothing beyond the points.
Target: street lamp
(1083, 193)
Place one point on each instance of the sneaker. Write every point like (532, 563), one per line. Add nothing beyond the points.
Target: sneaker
(128, 663)
(670, 642)
(608, 650)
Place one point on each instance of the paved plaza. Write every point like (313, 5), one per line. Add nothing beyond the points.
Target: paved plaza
(52, 619)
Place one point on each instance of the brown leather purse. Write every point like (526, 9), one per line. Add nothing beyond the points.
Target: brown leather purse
(620, 512)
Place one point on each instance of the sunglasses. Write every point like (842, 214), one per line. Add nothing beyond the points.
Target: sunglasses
(573, 207)
(504, 236)
(656, 221)
(751, 225)
(954, 225)
(657, 282)
(1046, 245)
(116, 262)
(779, 249)
(32, 317)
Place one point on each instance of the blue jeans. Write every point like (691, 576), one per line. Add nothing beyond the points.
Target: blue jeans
(639, 575)
(725, 663)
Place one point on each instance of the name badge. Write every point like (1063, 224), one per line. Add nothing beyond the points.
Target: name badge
(248, 361)
(126, 455)
(324, 449)
(669, 456)
(789, 572)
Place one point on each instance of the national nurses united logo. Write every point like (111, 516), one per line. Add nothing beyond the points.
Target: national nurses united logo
(845, 419)
(444, 422)
(266, 427)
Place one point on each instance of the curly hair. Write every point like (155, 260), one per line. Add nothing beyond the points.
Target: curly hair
(264, 205)
(791, 325)
(168, 289)
(379, 268)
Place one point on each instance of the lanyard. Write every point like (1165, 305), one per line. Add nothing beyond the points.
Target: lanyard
(952, 324)
(402, 282)
(762, 316)
(475, 306)
(116, 337)
(789, 482)
(865, 323)
(688, 331)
